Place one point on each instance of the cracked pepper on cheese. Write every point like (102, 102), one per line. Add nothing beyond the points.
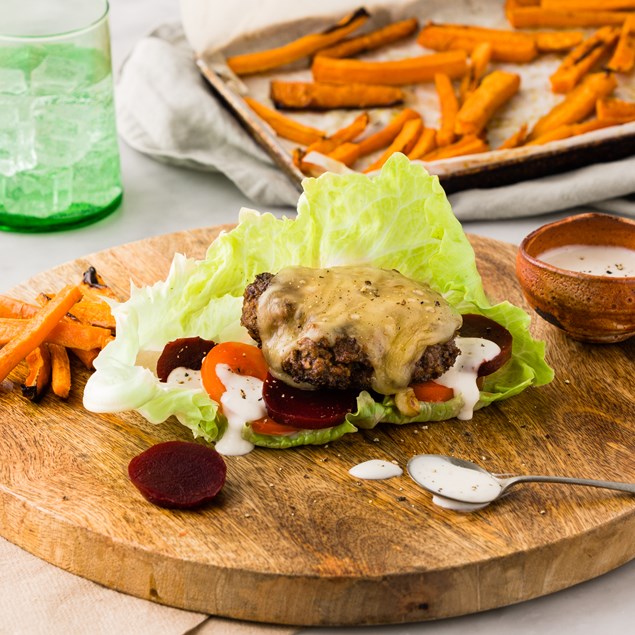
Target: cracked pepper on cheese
(394, 317)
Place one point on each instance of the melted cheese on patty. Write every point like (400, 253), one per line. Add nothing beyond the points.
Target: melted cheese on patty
(392, 317)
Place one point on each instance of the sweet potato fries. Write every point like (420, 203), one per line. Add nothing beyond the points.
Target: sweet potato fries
(371, 41)
(72, 319)
(259, 61)
(322, 96)
(595, 43)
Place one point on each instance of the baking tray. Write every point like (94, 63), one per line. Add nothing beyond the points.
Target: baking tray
(487, 170)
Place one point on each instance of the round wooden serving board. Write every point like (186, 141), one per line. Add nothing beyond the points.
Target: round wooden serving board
(293, 538)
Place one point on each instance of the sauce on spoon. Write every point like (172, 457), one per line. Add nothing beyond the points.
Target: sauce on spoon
(447, 481)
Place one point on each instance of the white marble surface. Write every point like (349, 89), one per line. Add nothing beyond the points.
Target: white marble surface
(161, 199)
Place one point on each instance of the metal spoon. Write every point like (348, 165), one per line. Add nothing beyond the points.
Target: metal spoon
(465, 486)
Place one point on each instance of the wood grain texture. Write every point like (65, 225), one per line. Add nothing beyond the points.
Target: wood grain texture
(293, 538)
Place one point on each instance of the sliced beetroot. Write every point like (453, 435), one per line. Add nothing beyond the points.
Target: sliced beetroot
(475, 325)
(188, 352)
(178, 474)
(306, 409)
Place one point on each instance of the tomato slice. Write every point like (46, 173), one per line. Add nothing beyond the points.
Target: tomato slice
(269, 426)
(432, 392)
(243, 359)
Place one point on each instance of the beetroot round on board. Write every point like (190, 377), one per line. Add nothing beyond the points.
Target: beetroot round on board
(178, 474)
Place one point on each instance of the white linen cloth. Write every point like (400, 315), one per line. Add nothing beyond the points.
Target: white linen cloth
(37, 598)
(166, 110)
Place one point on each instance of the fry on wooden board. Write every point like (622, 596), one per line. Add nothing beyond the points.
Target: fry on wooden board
(623, 59)
(388, 34)
(87, 311)
(404, 142)
(323, 96)
(494, 91)
(94, 284)
(259, 61)
(582, 58)
(86, 357)
(408, 70)
(37, 381)
(12, 308)
(64, 332)
(577, 105)
(448, 106)
(88, 322)
(284, 126)
(60, 370)
(37, 329)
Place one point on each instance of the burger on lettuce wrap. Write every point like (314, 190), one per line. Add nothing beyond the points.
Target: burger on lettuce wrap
(365, 308)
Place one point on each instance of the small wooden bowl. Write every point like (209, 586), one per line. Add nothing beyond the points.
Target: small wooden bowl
(588, 308)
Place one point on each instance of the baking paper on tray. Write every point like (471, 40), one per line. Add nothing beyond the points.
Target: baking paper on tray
(533, 100)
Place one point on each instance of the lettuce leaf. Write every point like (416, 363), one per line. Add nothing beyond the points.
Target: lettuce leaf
(370, 412)
(399, 219)
(302, 437)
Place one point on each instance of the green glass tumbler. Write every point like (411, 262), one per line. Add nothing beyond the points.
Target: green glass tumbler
(59, 155)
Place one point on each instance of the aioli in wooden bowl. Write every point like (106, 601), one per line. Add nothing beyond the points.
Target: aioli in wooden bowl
(588, 292)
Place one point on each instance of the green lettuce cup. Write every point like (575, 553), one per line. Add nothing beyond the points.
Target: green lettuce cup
(399, 219)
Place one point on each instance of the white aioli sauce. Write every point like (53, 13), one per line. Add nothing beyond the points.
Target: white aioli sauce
(446, 480)
(595, 260)
(242, 402)
(463, 375)
(185, 377)
(375, 470)
(457, 506)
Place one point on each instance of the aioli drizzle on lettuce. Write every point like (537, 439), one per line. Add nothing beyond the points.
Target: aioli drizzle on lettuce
(398, 219)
